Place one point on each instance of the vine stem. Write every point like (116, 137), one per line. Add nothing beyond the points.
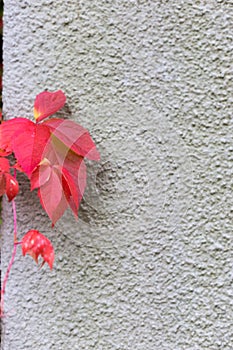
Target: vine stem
(16, 243)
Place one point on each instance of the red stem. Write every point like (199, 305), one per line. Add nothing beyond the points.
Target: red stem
(12, 258)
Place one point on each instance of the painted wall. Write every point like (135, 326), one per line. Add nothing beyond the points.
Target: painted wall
(149, 264)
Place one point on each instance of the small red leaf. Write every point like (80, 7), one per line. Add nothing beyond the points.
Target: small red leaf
(48, 103)
(35, 244)
(12, 186)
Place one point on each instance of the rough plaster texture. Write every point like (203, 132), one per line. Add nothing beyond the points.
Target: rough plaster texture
(149, 264)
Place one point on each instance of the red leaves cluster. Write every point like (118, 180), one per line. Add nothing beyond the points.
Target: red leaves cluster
(35, 244)
(51, 153)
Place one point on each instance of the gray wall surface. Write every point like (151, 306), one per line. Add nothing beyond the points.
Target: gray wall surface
(149, 263)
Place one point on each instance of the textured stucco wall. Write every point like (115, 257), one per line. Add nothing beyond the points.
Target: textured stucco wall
(149, 264)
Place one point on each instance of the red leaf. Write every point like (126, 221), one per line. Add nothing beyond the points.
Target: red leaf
(52, 197)
(35, 244)
(12, 186)
(7, 130)
(61, 178)
(74, 136)
(48, 103)
(29, 145)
